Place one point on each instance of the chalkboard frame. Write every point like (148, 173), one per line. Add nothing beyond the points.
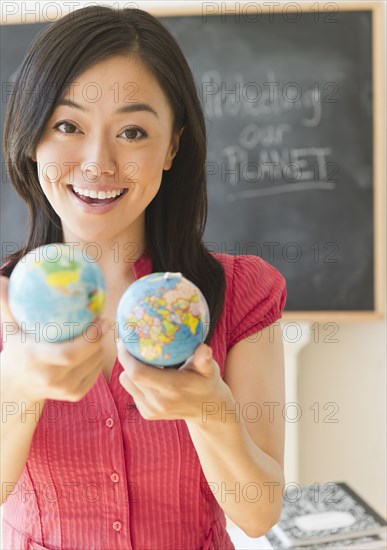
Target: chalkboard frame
(378, 10)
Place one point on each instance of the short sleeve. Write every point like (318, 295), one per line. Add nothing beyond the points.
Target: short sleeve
(258, 297)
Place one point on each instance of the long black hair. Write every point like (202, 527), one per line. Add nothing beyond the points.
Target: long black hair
(175, 219)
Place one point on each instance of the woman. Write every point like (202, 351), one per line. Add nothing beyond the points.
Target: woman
(109, 154)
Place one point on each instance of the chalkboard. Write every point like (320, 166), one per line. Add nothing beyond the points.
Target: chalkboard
(14, 42)
(289, 108)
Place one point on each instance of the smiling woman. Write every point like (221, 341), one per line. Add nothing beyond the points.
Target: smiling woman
(113, 117)
(109, 155)
(101, 147)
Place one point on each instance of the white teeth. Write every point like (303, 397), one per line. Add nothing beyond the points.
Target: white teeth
(93, 194)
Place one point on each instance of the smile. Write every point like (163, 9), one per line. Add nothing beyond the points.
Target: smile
(95, 202)
(101, 195)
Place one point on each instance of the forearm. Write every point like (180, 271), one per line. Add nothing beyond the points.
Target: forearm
(246, 482)
(19, 419)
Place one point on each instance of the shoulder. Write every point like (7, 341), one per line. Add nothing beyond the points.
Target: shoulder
(256, 294)
(250, 270)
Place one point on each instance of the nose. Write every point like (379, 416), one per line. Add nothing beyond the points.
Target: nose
(99, 163)
(92, 170)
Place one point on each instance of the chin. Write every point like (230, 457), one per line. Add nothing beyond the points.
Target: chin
(88, 235)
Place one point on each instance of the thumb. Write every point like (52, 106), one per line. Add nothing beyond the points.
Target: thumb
(5, 312)
(8, 325)
(202, 358)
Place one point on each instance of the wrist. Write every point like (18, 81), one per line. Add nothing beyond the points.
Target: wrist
(221, 408)
(22, 400)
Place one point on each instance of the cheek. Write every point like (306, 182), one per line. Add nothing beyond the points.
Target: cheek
(50, 164)
(144, 165)
(61, 162)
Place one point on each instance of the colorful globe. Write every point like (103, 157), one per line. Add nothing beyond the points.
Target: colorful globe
(56, 292)
(162, 318)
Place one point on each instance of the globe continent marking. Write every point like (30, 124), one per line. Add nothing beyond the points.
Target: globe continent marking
(158, 317)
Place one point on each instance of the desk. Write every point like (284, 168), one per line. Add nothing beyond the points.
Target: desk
(243, 542)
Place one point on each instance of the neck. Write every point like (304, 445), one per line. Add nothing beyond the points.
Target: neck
(115, 257)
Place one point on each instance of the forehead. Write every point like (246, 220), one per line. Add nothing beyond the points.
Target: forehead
(117, 80)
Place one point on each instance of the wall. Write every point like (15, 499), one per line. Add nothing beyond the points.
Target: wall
(351, 373)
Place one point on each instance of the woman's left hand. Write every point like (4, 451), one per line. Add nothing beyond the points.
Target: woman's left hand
(162, 393)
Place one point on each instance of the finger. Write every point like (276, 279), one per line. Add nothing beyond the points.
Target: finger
(88, 381)
(8, 325)
(159, 380)
(82, 370)
(144, 375)
(131, 388)
(202, 360)
(6, 314)
(70, 375)
(79, 349)
(81, 389)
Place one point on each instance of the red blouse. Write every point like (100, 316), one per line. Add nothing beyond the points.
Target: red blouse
(99, 476)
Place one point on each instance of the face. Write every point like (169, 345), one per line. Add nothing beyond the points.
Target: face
(117, 139)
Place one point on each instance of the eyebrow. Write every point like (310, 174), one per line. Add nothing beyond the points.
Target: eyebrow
(126, 109)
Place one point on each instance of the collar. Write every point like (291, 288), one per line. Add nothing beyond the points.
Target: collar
(143, 265)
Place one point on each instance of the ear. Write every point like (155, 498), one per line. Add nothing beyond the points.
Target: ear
(173, 149)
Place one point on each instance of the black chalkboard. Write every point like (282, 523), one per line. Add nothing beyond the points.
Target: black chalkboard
(288, 107)
(14, 42)
(289, 116)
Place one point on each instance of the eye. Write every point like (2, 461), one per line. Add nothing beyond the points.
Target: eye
(131, 136)
(133, 131)
(63, 123)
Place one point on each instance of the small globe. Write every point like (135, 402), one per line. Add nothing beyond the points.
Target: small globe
(56, 292)
(162, 318)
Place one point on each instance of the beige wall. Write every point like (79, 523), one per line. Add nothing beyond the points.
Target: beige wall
(351, 373)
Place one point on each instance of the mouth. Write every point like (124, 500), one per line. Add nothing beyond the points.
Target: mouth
(95, 200)
(93, 204)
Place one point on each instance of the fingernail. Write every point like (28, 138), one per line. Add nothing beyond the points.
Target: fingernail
(208, 353)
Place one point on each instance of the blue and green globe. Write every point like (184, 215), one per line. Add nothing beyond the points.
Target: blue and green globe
(56, 292)
(162, 318)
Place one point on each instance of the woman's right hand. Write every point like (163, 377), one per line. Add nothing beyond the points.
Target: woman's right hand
(38, 370)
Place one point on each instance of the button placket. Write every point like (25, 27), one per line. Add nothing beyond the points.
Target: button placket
(115, 477)
(116, 486)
